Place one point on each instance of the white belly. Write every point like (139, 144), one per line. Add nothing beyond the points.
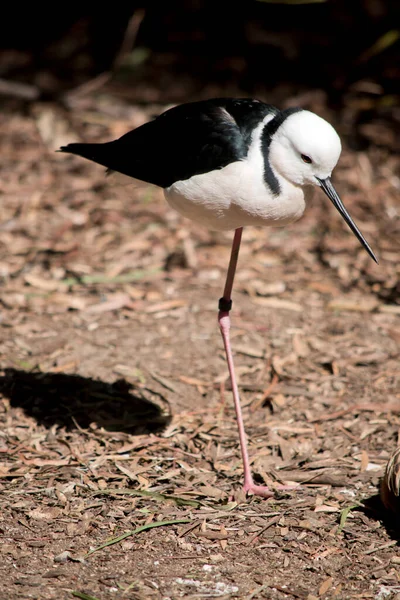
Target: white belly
(235, 196)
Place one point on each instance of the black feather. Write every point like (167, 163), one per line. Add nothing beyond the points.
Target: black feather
(268, 132)
(186, 140)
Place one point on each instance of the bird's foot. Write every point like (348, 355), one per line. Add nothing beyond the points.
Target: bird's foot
(258, 490)
(265, 492)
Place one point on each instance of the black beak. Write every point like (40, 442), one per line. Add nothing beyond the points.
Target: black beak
(330, 191)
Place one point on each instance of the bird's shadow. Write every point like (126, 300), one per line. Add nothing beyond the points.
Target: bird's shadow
(74, 402)
(374, 509)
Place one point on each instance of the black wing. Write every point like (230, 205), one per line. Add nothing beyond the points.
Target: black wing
(184, 141)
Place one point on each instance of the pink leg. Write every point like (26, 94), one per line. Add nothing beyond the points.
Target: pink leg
(225, 305)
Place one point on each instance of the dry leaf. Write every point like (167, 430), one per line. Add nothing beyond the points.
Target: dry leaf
(47, 285)
(278, 303)
(115, 302)
(165, 306)
(324, 587)
(45, 513)
(356, 305)
(327, 508)
(364, 461)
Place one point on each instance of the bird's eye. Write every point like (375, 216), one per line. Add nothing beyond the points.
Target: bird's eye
(306, 159)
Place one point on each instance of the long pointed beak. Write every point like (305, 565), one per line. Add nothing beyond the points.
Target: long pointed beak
(330, 191)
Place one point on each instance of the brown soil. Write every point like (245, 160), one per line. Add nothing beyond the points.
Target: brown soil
(116, 407)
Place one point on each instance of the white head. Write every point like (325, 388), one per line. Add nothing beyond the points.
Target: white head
(304, 148)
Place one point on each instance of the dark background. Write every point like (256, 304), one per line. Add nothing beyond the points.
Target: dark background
(182, 48)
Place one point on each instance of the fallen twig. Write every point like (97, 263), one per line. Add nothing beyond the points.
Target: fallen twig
(154, 495)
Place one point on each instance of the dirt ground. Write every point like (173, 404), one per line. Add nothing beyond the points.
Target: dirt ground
(116, 407)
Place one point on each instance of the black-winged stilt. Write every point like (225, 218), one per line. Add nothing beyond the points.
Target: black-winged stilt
(226, 163)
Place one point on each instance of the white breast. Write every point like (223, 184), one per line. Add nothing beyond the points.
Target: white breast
(237, 194)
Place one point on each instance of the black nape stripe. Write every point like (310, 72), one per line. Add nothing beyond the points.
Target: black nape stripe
(266, 137)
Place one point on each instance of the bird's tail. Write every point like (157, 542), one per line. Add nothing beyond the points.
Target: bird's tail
(98, 153)
(115, 157)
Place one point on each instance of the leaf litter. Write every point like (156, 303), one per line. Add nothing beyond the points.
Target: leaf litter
(115, 400)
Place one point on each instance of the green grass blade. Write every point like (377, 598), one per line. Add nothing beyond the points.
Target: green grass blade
(83, 596)
(135, 531)
(382, 43)
(101, 278)
(344, 514)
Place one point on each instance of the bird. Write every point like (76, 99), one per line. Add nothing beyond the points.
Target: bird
(227, 163)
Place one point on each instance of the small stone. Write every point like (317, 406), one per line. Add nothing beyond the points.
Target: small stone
(53, 573)
(36, 544)
(63, 557)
